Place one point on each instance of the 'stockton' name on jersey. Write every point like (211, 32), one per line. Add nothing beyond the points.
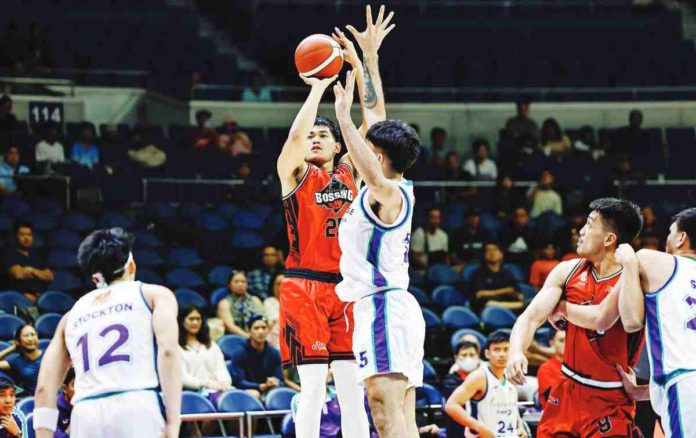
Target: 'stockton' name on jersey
(116, 308)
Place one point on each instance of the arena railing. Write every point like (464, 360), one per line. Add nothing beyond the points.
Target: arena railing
(36, 85)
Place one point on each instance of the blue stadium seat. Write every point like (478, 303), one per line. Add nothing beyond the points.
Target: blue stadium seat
(184, 258)
(43, 221)
(43, 344)
(26, 405)
(193, 403)
(219, 275)
(14, 207)
(64, 280)
(441, 274)
(147, 239)
(11, 299)
(246, 240)
(237, 400)
(497, 317)
(78, 222)
(468, 272)
(227, 210)
(422, 298)
(160, 210)
(6, 223)
(428, 395)
(248, 220)
(543, 335)
(490, 223)
(47, 323)
(148, 276)
(456, 336)
(184, 278)
(219, 295)
(55, 302)
(115, 220)
(229, 344)
(191, 210)
(9, 325)
(516, 271)
(429, 373)
(39, 241)
(417, 279)
(62, 259)
(457, 317)
(187, 297)
(212, 222)
(64, 239)
(148, 258)
(278, 399)
(431, 318)
(446, 296)
(528, 291)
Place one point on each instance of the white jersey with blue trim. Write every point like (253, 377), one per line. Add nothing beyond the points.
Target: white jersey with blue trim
(374, 254)
(670, 315)
(111, 343)
(497, 409)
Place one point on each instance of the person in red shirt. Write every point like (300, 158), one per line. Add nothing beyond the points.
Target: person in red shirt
(550, 371)
(588, 400)
(316, 327)
(542, 268)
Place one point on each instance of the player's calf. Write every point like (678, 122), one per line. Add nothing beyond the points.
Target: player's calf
(385, 394)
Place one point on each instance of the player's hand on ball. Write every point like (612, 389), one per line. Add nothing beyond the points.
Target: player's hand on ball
(625, 255)
(371, 38)
(517, 368)
(317, 82)
(344, 96)
(349, 52)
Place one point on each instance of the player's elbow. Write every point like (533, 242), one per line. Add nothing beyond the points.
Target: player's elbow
(631, 326)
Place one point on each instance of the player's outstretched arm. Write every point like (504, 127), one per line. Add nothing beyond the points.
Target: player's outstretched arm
(637, 279)
(600, 316)
(54, 367)
(541, 307)
(365, 160)
(475, 383)
(166, 330)
(291, 164)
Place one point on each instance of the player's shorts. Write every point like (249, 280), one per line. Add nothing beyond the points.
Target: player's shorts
(577, 410)
(131, 414)
(316, 327)
(389, 336)
(674, 404)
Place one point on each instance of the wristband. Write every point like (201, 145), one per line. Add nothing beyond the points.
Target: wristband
(45, 418)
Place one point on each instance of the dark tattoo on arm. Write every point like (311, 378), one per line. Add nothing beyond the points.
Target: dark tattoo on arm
(369, 95)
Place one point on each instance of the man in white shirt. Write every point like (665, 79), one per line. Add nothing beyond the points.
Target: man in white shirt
(543, 197)
(480, 167)
(430, 244)
(50, 150)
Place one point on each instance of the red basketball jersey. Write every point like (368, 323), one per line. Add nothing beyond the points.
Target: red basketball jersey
(591, 353)
(313, 212)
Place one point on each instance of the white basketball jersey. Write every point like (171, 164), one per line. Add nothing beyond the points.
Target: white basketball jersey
(374, 255)
(670, 317)
(498, 407)
(111, 343)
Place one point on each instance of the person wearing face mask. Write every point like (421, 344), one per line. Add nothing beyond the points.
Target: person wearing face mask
(550, 371)
(466, 359)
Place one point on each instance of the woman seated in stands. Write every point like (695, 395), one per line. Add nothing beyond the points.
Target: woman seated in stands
(25, 366)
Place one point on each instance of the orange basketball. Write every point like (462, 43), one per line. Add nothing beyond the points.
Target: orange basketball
(318, 56)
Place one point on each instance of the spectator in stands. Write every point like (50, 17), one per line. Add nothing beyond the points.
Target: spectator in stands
(49, 151)
(38, 56)
(271, 306)
(519, 238)
(430, 245)
(26, 271)
(437, 152)
(64, 405)
(25, 365)
(586, 142)
(553, 140)
(260, 279)
(625, 171)
(651, 235)
(13, 423)
(571, 246)
(453, 168)
(9, 168)
(543, 197)
(85, 151)
(493, 285)
(467, 241)
(480, 167)
(521, 129)
(506, 198)
(232, 140)
(237, 308)
(550, 371)
(203, 135)
(467, 358)
(258, 91)
(542, 268)
(204, 367)
(257, 368)
(631, 139)
(8, 121)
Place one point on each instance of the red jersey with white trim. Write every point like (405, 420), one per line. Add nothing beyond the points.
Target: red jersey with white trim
(313, 212)
(593, 354)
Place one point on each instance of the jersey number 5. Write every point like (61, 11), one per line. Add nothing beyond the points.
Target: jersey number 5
(108, 356)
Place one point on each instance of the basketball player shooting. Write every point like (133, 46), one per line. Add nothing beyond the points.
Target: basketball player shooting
(122, 339)
(316, 327)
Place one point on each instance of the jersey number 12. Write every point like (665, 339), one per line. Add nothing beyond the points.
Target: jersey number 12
(109, 355)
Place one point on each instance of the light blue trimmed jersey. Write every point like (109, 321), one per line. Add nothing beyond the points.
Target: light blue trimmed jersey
(670, 315)
(374, 255)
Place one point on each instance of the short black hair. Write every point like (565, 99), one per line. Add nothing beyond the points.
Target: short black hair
(438, 130)
(51, 125)
(323, 121)
(105, 251)
(5, 98)
(686, 222)
(69, 377)
(6, 383)
(232, 274)
(21, 223)
(480, 143)
(522, 100)
(463, 345)
(621, 215)
(497, 337)
(18, 332)
(399, 142)
(203, 335)
(256, 317)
